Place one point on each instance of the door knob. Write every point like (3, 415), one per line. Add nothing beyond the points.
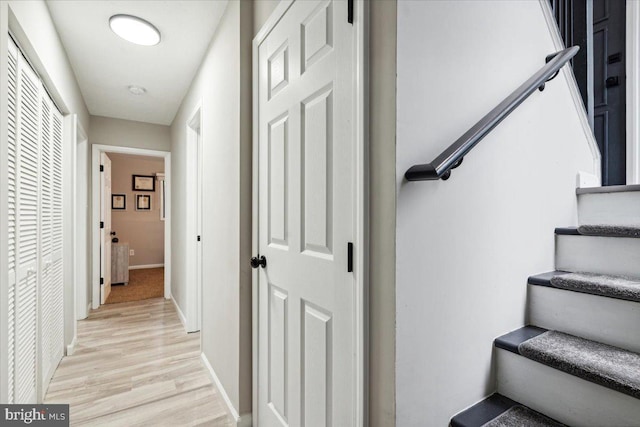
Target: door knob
(258, 262)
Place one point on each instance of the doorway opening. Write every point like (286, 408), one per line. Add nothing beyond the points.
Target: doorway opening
(606, 32)
(131, 247)
(194, 220)
(135, 232)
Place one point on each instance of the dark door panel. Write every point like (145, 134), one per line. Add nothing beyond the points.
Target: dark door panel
(598, 27)
(610, 88)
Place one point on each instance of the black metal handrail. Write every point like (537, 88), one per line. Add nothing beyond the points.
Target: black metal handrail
(451, 158)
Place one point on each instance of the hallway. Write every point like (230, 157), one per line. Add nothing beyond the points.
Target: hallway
(135, 365)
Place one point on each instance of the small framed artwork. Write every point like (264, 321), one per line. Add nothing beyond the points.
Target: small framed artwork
(144, 183)
(143, 202)
(119, 202)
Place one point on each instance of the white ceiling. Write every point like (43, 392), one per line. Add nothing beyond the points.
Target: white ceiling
(105, 65)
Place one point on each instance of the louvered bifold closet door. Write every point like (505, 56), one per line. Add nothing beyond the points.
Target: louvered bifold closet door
(51, 284)
(55, 268)
(11, 215)
(46, 247)
(27, 232)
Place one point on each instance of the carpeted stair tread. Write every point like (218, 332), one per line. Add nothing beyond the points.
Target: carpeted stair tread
(522, 416)
(498, 411)
(599, 363)
(610, 230)
(599, 284)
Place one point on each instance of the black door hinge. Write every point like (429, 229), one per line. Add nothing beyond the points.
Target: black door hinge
(198, 238)
(101, 224)
(350, 11)
(101, 168)
(102, 280)
(349, 257)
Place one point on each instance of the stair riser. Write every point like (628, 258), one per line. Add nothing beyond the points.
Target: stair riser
(609, 208)
(603, 255)
(566, 398)
(606, 320)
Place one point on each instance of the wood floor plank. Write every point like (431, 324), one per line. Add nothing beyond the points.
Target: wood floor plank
(135, 365)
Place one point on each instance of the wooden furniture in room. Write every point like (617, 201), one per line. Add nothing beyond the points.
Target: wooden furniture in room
(120, 263)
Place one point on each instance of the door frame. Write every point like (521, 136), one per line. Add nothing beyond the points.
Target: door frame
(80, 225)
(633, 91)
(75, 292)
(194, 138)
(96, 150)
(361, 211)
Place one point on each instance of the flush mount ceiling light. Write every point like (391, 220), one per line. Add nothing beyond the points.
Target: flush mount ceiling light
(135, 30)
(137, 90)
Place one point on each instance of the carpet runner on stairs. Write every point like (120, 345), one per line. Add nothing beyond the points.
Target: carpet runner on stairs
(583, 367)
(610, 230)
(608, 366)
(500, 411)
(522, 416)
(598, 284)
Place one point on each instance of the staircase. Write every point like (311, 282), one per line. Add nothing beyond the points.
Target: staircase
(578, 361)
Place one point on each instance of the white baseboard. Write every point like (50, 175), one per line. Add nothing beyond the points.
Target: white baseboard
(232, 411)
(142, 267)
(245, 420)
(72, 347)
(181, 315)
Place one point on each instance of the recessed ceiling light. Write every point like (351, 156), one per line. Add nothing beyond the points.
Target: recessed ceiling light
(135, 30)
(137, 90)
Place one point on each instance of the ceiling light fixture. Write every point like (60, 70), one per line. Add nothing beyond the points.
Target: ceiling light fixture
(134, 29)
(137, 90)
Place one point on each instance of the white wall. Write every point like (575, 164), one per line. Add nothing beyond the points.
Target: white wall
(127, 133)
(223, 87)
(466, 246)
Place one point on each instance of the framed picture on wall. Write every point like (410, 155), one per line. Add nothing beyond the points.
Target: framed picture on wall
(143, 202)
(144, 183)
(119, 202)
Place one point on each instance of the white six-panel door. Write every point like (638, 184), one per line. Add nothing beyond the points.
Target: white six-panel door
(105, 231)
(307, 324)
(34, 164)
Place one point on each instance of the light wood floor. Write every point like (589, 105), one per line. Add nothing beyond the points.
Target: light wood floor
(134, 365)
